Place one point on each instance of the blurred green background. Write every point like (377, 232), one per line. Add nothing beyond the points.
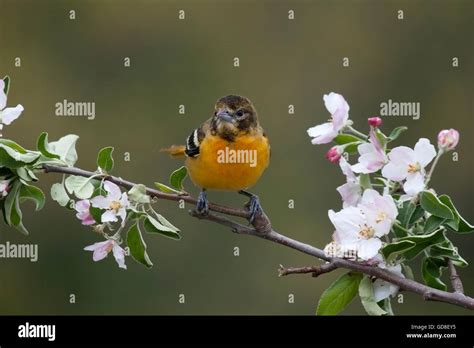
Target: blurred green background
(190, 62)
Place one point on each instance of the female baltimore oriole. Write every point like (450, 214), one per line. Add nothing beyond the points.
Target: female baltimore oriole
(229, 151)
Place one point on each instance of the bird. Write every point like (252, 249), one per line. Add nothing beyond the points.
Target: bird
(229, 151)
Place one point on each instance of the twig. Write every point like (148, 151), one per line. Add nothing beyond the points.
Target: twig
(314, 270)
(261, 227)
(455, 279)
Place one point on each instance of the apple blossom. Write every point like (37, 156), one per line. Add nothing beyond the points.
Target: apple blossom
(384, 289)
(115, 203)
(339, 110)
(102, 249)
(4, 186)
(83, 214)
(351, 191)
(7, 115)
(380, 211)
(374, 121)
(406, 163)
(448, 139)
(334, 154)
(372, 156)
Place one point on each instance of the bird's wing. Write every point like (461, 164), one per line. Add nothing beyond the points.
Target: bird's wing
(191, 149)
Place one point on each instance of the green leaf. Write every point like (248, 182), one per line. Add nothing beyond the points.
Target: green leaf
(138, 194)
(422, 242)
(96, 214)
(405, 213)
(151, 225)
(351, 142)
(392, 250)
(366, 293)
(364, 180)
(448, 250)
(13, 158)
(335, 298)
(80, 186)
(432, 223)
(399, 231)
(431, 270)
(43, 146)
(10, 201)
(434, 206)
(462, 225)
(408, 272)
(164, 188)
(32, 193)
(137, 246)
(381, 138)
(6, 88)
(65, 148)
(17, 216)
(177, 178)
(396, 133)
(15, 146)
(417, 215)
(105, 160)
(59, 194)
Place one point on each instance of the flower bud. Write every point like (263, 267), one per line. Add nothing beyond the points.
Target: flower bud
(374, 121)
(448, 139)
(334, 154)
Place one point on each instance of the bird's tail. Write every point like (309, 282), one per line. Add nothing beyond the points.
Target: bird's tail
(175, 150)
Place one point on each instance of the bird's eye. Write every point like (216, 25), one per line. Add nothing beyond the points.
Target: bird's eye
(239, 113)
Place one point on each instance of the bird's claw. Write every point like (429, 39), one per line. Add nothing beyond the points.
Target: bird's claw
(202, 205)
(253, 207)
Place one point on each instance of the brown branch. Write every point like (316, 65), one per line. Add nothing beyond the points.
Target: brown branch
(455, 279)
(261, 227)
(314, 270)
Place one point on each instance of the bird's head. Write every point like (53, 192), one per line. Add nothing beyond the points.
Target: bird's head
(233, 115)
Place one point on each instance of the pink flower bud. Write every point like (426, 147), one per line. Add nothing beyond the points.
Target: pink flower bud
(334, 154)
(448, 139)
(375, 121)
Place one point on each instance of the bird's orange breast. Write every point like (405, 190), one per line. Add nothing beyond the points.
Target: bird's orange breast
(224, 165)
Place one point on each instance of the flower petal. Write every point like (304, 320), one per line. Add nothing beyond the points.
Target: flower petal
(119, 255)
(350, 193)
(100, 202)
(82, 205)
(368, 248)
(108, 216)
(9, 115)
(322, 134)
(394, 172)
(334, 101)
(114, 191)
(3, 96)
(339, 119)
(424, 152)
(415, 184)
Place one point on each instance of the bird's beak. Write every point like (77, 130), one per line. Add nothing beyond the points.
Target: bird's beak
(224, 115)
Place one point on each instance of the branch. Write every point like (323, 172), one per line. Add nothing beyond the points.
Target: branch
(261, 227)
(455, 279)
(314, 270)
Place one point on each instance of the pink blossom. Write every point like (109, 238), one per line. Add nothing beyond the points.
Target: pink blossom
(115, 203)
(83, 214)
(339, 110)
(448, 139)
(334, 154)
(102, 249)
(375, 121)
(372, 156)
(4, 188)
(7, 115)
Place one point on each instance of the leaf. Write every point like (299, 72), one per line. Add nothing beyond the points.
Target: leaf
(350, 141)
(433, 223)
(399, 231)
(151, 225)
(408, 272)
(96, 214)
(164, 188)
(15, 146)
(137, 246)
(339, 294)
(177, 178)
(417, 215)
(17, 217)
(434, 206)
(422, 242)
(59, 194)
(462, 225)
(431, 270)
(448, 250)
(65, 148)
(13, 158)
(364, 180)
(396, 133)
(10, 201)
(105, 160)
(80, 186)
(366, 293)
(392, 250)
(405, 213)
(138, 194)
(29, 192)
(6, 88)
(43, 146)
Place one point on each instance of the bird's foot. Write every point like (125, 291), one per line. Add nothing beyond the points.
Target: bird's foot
(253, 205)
(202, 205)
